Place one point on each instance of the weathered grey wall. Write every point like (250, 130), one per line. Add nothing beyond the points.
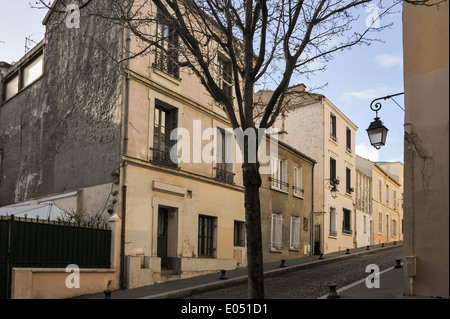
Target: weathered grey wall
(64, 131)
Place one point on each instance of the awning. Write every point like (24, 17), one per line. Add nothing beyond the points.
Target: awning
(46, 211)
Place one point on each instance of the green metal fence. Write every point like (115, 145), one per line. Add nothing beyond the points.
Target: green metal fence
(45, 244)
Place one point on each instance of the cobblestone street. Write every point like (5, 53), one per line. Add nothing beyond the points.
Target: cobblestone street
(313, 283)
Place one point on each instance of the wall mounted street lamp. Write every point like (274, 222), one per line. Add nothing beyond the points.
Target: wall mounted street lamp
(333, 182)
(377, 131)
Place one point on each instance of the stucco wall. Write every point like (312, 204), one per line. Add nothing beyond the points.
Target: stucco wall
(63, 132)
(187, 196)
(275, 201)
(426, 72)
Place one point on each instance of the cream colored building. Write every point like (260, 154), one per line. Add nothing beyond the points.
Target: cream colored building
(181, 216)
(364, 212)
(387, 205)
(174, 216)
(426, 82)
(314, 125)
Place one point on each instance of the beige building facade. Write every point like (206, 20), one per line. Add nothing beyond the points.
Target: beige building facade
(363, 196)
(286, 206)
(387, 205)
(314, 125)
(426, 82)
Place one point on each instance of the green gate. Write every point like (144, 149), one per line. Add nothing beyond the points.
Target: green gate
(26, 243)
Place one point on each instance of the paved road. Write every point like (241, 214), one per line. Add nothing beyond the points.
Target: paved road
(312, 283)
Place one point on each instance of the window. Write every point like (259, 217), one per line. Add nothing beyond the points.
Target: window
(394, 198)
(239, 234)
(165, 121)
(32, 71)
(333, 129)
(380, 190)
(11, 87)
(295, 233)
(387, 195)
(279, 178)
(224, 168)
(380, 222)
(332, 169)
(298, 182)
(167, 54)
(348, 180)
(24, 76)
(346, 222)
(333, 231)
(225, 77)
(276, 239)
(349, 140)
(206, 236)
(394, 228)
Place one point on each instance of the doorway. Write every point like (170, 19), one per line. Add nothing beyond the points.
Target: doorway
(163, 223)
(317, 243)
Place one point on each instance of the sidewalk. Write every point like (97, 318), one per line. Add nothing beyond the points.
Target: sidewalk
(178, 289)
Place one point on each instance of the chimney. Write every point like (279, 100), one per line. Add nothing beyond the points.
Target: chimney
(4, 67)
(300, 86)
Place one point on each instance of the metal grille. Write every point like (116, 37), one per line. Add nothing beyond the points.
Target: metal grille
(44, 244)
(206, 227)
(163, 158)
(224, 176)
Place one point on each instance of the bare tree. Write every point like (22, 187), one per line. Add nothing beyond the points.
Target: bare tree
(263, 41)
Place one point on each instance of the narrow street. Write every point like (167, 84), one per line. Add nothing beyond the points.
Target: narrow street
(313, 283)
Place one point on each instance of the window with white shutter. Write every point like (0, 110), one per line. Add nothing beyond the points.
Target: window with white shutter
(295, 233)
(298, 182)
(277, 232)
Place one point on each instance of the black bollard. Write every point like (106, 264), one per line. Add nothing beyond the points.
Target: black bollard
(382, 244)
(368, 247)
(348, 251)
(398, 263)
(283, 263)
(333, 293)
(224, 275)
(107, 293)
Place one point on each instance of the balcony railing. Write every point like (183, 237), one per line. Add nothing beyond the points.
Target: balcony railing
(167, 64)
(224, 176)
(298, 191)
(163, 158)
(279, 184)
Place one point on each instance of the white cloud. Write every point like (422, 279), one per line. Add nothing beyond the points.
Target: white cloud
(388, 61)
(368, 152)
(367, 94)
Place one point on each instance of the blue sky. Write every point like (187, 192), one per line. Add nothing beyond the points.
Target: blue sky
(354, 77)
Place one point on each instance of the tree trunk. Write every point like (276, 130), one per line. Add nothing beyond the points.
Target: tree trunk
(252, 183)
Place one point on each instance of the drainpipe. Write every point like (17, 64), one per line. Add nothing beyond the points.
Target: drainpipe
(409, 205)
(123, 280)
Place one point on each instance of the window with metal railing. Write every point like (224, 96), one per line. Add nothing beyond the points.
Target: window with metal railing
(165, 121)
(279, 177)
(224, 167)
(298, 182)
